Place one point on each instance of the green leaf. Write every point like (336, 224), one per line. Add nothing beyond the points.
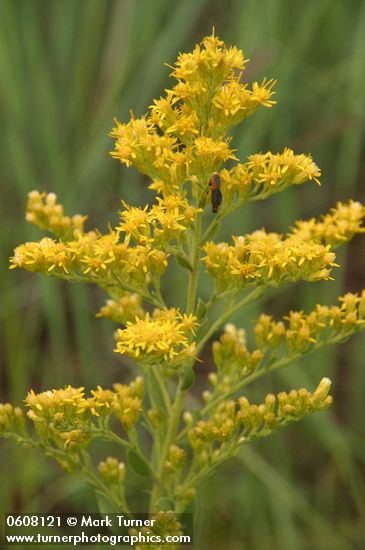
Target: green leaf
(201, 309)
(102, 502)
(139, 464)
(184, 262)
(188, 378)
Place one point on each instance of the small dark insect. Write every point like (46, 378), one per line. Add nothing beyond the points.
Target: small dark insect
(215, 192)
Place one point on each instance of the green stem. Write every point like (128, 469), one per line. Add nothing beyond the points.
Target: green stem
(230, 451)
(248, 299)
(107, 434)
(211, 227)
(170, 436)
(162, 387)
(193, 277)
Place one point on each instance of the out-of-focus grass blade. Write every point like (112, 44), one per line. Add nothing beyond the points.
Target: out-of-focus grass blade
(288, 495)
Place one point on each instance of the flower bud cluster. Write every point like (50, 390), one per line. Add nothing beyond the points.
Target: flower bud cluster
(164, 337)
(127, 405)
(164, 524)
(267, 259)
(279, 342)
(239, 422)
(299, 332)
(44, 212)
(112, 471)
(11, 420)
(176, 459)
(232, 359)
(126, 308)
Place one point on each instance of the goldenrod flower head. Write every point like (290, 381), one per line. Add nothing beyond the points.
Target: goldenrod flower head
(211, 61)
(127, 410)
(209, 154)
(336, 227)
(164, 222)
(93, 257)
(45, 256)
(234, 102)
(66, 418)
(171, 217)
(164, 337)
(185, 126)
(139, 143)
(47, 404)
(264, 174)
(281, 169)
(236, 183)
(268, 259)
(136, 223)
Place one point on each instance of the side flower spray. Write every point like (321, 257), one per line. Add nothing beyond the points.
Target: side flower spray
(182, 145)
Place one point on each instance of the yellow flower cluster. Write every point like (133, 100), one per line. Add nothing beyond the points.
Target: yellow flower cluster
(267, 259)
(210, 62)
(164, 222)
(138, 143)
(336, 227)
(183, 136)
(234, 102)
(210, 84)
(66, 418)
(101, 259)
(44, 212)
(280, 169)
(234, 423)
(264, 174)
(163, 338)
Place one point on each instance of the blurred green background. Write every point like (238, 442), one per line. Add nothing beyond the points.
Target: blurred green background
(67, 68)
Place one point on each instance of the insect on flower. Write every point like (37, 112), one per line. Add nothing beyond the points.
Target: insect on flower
(215, 191)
